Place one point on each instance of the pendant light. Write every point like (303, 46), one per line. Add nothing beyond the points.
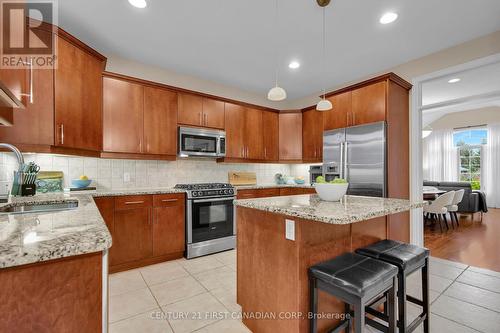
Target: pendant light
(324, 104)
(276, 93)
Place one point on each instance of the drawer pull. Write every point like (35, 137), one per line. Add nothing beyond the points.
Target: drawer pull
(170, 200)
(134, 202)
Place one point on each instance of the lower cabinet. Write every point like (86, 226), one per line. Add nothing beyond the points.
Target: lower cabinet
(168, 225)
(146, 229)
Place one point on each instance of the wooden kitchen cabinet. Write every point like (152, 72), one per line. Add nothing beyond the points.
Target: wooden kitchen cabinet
(244, 136)
(138, 119)
(201, 111)
(290, 136)
(340, 114)
(270, 130)
(146, 229)
(132, 236)
(258, 193)
(168, 224)
(254, 140)
(369, 103)
(312, 136)
(78, 98)
(122, 116)
(160, 121)
(235, 130)
(213, 113)
(33, 125)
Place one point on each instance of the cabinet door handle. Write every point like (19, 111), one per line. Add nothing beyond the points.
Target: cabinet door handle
(347, 118)
(354, 118)
(265, 152)
(242, 154)
(134, 202)
(30, 94)
(62, 134)
(206, 119)
(170, 200)
(200, 115)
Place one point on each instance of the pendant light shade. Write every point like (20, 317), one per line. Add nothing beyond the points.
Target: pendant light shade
(324, 105)
(276, 94)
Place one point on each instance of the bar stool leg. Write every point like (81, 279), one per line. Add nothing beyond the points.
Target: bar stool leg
(348, 317)
(391, 308)
(313, 299)
(359, 317)
(425, 294)
(402, 302)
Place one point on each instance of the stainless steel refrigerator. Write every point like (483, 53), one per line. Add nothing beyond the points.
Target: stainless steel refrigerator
(357, 154)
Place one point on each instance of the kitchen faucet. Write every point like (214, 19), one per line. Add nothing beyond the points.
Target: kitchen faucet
(20, 158)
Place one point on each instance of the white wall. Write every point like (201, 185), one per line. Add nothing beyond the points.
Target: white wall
(476, 117)
(123, 66)
(109, 174)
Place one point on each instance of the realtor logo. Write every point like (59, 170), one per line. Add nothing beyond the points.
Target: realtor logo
(27, 38)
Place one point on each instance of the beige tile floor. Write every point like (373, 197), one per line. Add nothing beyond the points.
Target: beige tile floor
(199, 295)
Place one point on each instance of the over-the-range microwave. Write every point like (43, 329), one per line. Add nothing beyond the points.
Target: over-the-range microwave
(201, 142)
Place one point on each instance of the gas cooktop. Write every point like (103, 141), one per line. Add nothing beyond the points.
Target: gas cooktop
(203, 186)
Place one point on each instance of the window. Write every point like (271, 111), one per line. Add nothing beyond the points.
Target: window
(469, 143)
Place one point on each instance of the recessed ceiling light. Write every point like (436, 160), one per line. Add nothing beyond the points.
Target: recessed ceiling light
(294, 65)
(388, 18)
(138, 3)
(455, 80)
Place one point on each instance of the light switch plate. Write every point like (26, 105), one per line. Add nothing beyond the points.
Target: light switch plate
(4, 188)
(126, 177)
(290, 229)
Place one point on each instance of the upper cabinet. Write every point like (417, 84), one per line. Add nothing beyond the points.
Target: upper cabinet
(160, 121)
(339, 115)
(200, 111)
(369, 103)
(138, 119)
(290, 137)
(363, 105)
(78, 98)
(123, 110)
(63, 105)
(312, 136)
(270, 131)
(244, 136)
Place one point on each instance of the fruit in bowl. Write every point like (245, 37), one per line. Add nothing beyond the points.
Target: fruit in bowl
(331, 191)
(81, 182)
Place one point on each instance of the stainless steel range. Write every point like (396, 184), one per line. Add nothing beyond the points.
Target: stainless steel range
(210, 218)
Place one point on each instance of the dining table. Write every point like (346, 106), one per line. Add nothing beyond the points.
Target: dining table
(432, 194)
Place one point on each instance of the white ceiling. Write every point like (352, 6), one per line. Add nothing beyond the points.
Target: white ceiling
(233, 42)
(482, 80)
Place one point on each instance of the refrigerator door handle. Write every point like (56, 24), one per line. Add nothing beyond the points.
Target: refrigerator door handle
(341, 166)
(344, 167)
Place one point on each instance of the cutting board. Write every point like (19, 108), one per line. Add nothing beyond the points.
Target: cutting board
(242, 178)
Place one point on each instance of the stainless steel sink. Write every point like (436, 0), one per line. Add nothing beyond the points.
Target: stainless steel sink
(38, 207)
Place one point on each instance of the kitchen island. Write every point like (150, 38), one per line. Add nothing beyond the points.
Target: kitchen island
(279, 238)
(53, 266)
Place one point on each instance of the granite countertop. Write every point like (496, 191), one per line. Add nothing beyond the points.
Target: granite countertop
(264, 186)
(36, 237)
(350, 210)
(117, 193)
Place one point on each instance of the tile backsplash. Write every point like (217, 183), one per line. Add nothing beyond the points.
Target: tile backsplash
(113, 174)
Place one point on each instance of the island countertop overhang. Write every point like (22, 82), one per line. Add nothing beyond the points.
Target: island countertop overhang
(350, 209)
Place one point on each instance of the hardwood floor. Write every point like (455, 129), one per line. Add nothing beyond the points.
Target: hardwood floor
(473, 243)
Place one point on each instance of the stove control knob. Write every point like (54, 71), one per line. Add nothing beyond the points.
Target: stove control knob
(231, 191)
(195, 194)
(200, 193)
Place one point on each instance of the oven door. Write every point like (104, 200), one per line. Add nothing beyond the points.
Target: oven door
(210, 219)
(197, 144)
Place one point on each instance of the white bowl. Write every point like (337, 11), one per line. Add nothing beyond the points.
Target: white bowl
(331, 192)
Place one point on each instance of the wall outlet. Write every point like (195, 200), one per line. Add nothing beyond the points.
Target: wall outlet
(126, 177)
(4, 188)
(290, 229)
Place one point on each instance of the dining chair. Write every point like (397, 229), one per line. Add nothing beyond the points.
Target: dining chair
(437, 208)
(453, 208)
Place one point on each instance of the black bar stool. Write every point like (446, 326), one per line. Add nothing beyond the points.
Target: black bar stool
(408, 258)
(358, 281)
